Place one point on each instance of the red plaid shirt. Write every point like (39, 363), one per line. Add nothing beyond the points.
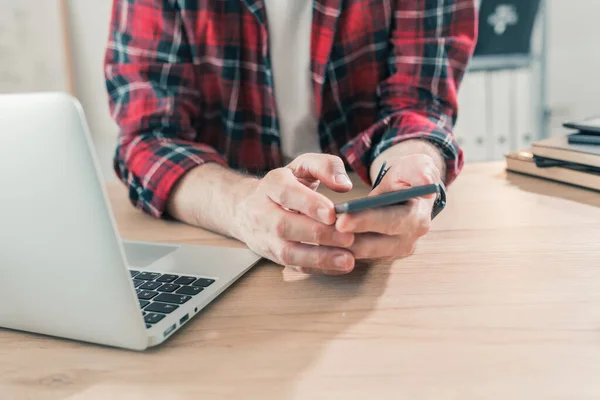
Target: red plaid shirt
(190, 82)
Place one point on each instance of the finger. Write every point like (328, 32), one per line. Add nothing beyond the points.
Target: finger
(283, 188)
(414, 170)
(326, 168)
(412, 218)
(314, 271)
(377, 246)
(315, 257)
(392, 220)
(299, 228)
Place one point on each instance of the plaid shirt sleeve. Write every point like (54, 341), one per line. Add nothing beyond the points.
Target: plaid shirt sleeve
(150, 81)
(433, 41)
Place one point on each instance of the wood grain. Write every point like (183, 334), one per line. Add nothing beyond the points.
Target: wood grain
(501, 300)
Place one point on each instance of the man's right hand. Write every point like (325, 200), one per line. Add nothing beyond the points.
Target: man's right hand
(283, 218)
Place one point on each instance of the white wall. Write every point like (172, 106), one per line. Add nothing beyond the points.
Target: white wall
(573, 81)
(89, 27)
(572, 86)
(574, 58)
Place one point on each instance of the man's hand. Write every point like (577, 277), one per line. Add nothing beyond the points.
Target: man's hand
(393, 232)
(282, 217)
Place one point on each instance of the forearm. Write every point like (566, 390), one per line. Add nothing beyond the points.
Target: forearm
(415, 102)
(406, 148)
(207, 197)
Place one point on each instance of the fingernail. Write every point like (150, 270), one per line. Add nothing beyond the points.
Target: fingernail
(342, 179)
(343, 239)
(323, 214)
(341, 261)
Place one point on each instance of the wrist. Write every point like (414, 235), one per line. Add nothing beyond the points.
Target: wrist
(243, 188)
(407, 148)
(207, 197)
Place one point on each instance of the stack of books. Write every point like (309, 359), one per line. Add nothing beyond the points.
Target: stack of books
(573, 158)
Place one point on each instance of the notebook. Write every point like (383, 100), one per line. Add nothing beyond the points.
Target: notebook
(523, 162)
(558, 148)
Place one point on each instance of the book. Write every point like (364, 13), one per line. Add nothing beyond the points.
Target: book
(559, 148)
(523, 162)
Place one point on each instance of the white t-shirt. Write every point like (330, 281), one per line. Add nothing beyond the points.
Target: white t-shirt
(290, 27)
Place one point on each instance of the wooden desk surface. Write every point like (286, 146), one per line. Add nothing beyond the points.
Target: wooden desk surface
(501, 300)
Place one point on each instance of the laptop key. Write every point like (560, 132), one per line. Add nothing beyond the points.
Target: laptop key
(147, 276)
(138, 282)
(167, 278)
(172, 298)
(148, 326)
(144, 303)
(184, 280)
(153, 318)
(168, 287)
(133, 273)
(150, 285)
(161, 308)
(146, 295)
(203, 282)
(189, 290)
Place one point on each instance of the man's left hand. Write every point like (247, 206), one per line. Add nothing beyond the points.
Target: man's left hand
(393, 231)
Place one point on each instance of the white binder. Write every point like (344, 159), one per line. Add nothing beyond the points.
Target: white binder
(470, 129)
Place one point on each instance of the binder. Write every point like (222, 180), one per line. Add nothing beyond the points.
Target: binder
(470, 129)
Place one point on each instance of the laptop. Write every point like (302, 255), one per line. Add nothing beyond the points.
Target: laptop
(64, 272)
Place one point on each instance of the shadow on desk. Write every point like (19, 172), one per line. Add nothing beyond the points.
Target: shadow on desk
(554, 189)
(273, 333)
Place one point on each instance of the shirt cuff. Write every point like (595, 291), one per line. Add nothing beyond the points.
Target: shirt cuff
(362, 150)
(152, 176)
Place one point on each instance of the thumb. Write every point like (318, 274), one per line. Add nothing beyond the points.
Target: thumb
(325, 168)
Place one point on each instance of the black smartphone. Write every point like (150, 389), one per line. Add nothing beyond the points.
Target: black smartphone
(582, 138)
(591, 126)
(386, 199)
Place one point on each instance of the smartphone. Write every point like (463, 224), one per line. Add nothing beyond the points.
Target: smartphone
(591, 126)
(582, 138)
(386, 199)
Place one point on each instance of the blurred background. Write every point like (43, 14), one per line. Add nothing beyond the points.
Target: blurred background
(535, 67)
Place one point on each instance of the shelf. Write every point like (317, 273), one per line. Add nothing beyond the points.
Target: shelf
(500, 63)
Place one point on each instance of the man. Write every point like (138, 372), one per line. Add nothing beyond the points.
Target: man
(210, 93)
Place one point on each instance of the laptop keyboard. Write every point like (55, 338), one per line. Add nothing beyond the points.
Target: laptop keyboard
(160, 295)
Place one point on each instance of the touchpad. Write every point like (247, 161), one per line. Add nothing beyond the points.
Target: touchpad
(142, 255)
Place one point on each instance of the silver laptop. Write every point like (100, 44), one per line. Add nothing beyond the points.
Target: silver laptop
(64, 272)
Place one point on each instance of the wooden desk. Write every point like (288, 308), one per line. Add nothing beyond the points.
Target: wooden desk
(501, 300)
